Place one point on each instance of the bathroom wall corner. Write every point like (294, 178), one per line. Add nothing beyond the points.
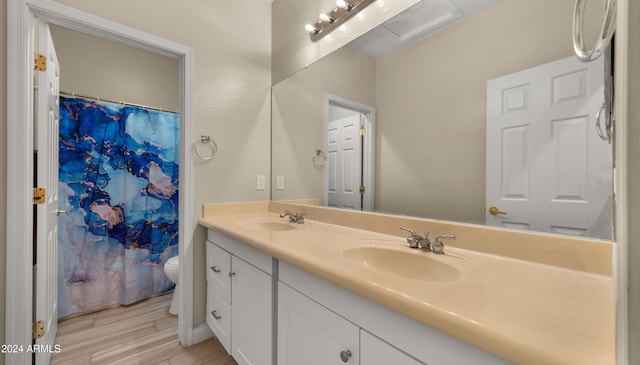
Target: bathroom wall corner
(3, 169)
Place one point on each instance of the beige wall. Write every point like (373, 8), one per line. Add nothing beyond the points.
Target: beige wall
(3, 165)
(99, 68)
(297, 117)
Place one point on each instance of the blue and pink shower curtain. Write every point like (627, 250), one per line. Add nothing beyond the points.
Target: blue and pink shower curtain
(119, 185)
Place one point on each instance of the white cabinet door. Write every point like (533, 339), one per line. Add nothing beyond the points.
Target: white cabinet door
(374, 351)
(251, 314)
(310, 334)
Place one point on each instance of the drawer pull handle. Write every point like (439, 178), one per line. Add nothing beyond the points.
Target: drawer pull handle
(345, 355)
(215, 315)
(215, 269)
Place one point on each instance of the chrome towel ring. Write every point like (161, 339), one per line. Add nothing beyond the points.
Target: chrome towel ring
(319, 159)
(211, 145)
(608, 27)
(606, 133)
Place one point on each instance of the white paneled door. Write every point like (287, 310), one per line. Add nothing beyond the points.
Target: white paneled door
(344, 162)
(547, 168)
(46, 285)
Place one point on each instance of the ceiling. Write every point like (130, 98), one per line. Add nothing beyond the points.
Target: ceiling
(417, 22)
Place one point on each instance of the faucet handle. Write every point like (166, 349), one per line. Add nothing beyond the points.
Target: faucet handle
(413, 239)
(438, 246)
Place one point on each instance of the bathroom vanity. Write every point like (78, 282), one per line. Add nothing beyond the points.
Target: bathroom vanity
(283, 293)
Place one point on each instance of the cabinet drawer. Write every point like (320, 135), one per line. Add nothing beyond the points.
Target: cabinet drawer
(242, 250)
(218, 269)
(219, 317)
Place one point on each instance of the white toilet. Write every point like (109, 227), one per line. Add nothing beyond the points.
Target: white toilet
(171, 270)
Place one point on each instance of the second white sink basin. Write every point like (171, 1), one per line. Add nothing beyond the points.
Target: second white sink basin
(415, 265)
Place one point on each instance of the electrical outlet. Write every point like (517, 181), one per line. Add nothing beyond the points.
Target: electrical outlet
(260, 182)
(279, 182)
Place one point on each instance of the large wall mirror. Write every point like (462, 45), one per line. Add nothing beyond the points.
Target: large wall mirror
(473, 111)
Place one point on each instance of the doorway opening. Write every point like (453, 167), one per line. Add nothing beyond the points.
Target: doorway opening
(349, 142)
(119, 165)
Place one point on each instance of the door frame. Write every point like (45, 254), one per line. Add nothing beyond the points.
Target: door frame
(20, 130)
(369, 162)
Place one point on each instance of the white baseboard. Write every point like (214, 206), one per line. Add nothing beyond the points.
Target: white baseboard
(201, 332)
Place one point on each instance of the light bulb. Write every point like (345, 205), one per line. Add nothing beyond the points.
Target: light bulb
(310, 28)
(326, 18)
(343, 4)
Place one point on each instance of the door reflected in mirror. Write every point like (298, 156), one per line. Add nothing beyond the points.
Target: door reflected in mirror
(470, 116)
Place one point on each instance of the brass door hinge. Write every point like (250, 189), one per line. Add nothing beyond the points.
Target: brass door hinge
(363, 131)
(362, 189)
(40, 63)
(38, 329)
(39, 195)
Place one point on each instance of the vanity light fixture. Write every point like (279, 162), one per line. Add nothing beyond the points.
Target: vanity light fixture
(333, 19)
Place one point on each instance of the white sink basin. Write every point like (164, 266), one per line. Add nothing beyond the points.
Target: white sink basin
(415, 265)
(266, 225)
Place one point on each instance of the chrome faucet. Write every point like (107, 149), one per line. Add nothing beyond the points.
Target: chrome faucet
(293, 217)
(438, 245)
(417, 241)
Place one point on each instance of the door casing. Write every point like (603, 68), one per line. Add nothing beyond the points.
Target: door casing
(20, 128)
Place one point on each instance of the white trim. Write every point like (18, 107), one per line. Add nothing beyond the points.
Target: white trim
(202, 332)
(369, 148)
(19, 181)
(19, 288)
(620, 139)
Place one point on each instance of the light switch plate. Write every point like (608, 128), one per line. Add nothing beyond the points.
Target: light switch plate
(260, 182)
(279, 182)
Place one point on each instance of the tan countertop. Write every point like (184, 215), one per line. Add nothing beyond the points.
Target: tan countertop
(526, 312)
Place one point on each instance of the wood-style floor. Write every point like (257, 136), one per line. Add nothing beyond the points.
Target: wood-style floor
(142, 333)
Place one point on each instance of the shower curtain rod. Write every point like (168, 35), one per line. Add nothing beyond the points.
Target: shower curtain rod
(76, 95)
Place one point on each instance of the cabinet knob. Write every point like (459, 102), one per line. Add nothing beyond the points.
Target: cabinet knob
(215, 315)
(231, 273)
(215, 269)
(345, 355)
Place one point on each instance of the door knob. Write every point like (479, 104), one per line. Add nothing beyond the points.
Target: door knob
(61, 211)
(494, 210)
